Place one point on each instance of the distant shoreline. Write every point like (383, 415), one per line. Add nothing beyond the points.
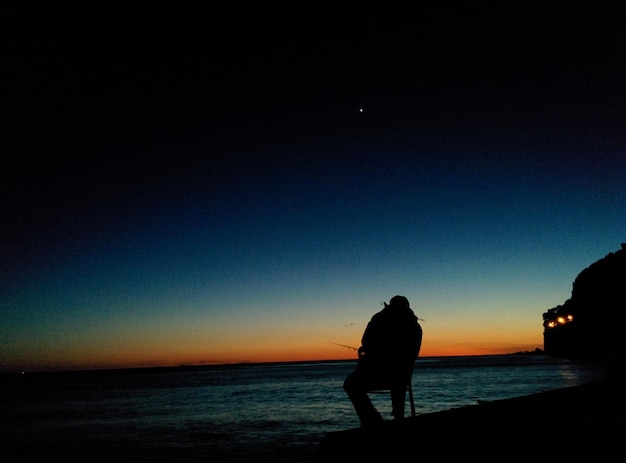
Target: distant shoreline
(212, 366)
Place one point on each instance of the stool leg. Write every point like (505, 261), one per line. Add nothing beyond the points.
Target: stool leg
(411, 399)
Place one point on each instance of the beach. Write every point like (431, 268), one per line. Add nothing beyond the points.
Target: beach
(574, 423)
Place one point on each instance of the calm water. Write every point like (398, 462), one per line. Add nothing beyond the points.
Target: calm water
(276, 412)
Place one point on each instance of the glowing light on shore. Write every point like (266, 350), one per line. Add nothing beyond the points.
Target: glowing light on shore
(562, 320)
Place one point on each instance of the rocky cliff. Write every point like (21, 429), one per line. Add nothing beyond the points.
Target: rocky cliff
(590, 324)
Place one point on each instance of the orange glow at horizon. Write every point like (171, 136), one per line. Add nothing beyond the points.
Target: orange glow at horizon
(302, 354)
(202, 345)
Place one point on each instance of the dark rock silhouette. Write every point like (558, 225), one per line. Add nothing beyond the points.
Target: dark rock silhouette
(589, 325)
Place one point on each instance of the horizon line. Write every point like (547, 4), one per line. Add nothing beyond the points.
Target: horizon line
(240, 364)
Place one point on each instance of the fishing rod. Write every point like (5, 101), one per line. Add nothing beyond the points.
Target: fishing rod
(356, 349)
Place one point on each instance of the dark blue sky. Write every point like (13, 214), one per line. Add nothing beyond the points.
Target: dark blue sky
(188, 181)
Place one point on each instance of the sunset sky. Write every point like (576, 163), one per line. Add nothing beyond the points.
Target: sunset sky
(194, 188)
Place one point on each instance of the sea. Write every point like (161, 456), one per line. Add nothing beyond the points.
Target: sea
(276, 412)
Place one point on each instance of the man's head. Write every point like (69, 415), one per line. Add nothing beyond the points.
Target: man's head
(400, 302)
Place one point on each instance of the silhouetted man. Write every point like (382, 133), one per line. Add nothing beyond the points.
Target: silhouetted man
(390, 344)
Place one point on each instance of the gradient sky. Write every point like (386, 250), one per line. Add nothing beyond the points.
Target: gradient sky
(187, 188)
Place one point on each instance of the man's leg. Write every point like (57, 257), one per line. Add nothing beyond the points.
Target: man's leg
(356, 388)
